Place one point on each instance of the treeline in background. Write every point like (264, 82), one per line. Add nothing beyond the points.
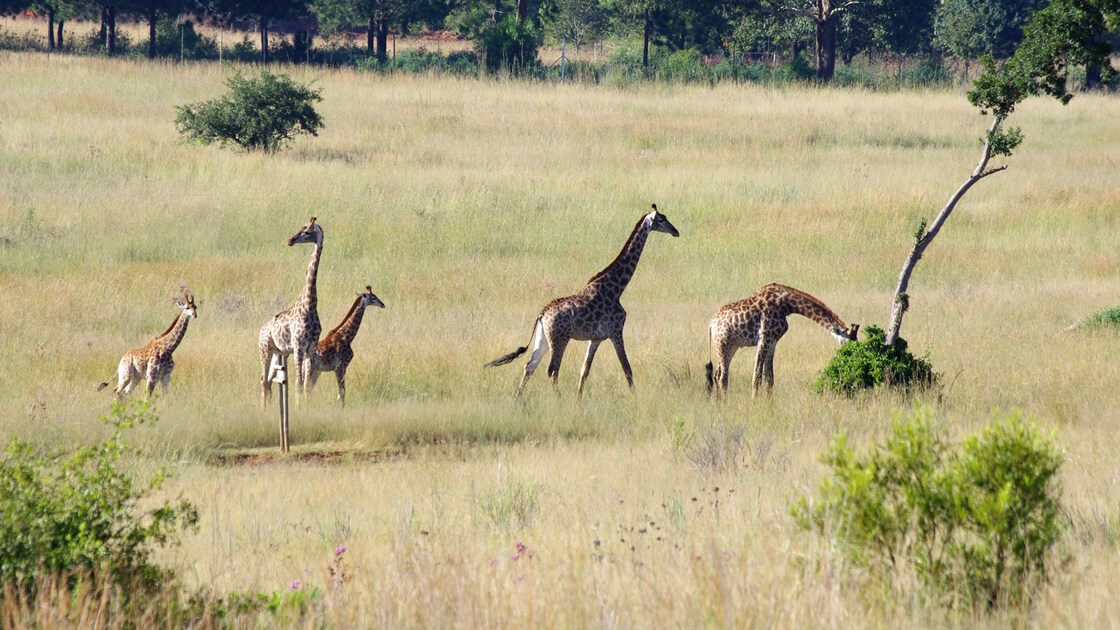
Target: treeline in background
(869, 42)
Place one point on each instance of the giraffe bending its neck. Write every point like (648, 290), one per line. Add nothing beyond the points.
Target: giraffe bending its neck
(295, 330)
(333, 353)
(760, 320)
(593, 314)
(153, 361)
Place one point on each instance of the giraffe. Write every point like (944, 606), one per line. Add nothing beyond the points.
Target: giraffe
(760, 320)
(153, 361)
(593, 314)
(296, 329)
(333, 353)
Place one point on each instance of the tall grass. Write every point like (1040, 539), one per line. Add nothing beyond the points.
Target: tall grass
(467, 205)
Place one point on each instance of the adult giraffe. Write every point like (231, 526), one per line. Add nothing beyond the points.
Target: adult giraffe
(295, 330)
(593, 314)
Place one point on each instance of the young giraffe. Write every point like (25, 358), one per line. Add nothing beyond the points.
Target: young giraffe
(295, 330)
(593, 314)
(153, 361)
(760, 320)
(333, 353)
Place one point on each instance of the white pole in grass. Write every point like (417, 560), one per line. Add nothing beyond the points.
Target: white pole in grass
(563, 47)
(278, 373)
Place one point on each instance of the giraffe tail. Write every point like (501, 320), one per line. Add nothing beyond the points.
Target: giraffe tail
(103, 386)
(516, 353)
(507, 358)
(708, 373)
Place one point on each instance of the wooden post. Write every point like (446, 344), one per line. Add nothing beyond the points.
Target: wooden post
(279, 374)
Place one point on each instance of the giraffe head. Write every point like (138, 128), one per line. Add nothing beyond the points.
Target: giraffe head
(843, 335)
(369, 299)
(310, 233)
(660, 223)
(189, 309)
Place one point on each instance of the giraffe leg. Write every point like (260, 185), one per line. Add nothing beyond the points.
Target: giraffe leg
(620, 349)
(340, 376)
(165, 381)
(265, 348)
(764, 366)
(124, 378)
(152, 377)
(557, 348)
(539, 344)
(592, 346)
(724, 354)
(301, 390)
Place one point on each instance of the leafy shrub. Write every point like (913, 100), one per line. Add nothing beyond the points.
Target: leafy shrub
(1106, 319)
(173, 39)
(65, 513)
(976, 524)
(509, 44)
(259, 114)
(860, 365)
(683, 66)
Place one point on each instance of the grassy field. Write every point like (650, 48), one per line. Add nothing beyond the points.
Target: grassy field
(467, 205)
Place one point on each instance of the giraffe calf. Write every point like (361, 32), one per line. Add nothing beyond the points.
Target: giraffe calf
(333, 353)
(153, 361)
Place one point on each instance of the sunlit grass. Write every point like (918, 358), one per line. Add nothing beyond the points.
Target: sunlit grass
(467, 205)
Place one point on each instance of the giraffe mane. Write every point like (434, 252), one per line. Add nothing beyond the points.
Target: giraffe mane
(353, 307)
(621, 252)
(813, 300)
(172, 326)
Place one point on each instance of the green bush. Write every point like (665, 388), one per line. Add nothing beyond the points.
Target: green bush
(80, 512)
(977, 524)
(860, 365)
(259, 114)
(173, 39)
(1106, 319)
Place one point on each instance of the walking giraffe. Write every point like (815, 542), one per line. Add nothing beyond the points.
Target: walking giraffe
(593, 314)
(153, 361)
(295, 330)
(333, 353)
(760, 320)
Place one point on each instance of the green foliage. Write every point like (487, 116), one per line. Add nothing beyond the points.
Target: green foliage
(977, 524)
(860, 365)
(1109, 318)
(173, 40)
(80, 512)
(509, 44)
(259, 114)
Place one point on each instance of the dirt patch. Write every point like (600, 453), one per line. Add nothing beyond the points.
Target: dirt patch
(313, 457)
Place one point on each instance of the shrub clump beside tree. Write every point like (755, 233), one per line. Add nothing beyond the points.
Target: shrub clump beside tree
(66, 514)
(259, 114)
(860, 365)
(976, 523)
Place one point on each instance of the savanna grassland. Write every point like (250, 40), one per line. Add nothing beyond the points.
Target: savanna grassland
(467, 205)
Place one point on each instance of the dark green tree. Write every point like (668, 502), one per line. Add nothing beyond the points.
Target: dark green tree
(261, 114)
(970, 29)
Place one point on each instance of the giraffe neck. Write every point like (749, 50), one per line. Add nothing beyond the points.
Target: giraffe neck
(808, 306)
(308, 300)
(348, 328)
(612, 281)
(171, 338)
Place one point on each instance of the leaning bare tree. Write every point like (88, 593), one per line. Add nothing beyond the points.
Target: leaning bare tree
(1058, 37)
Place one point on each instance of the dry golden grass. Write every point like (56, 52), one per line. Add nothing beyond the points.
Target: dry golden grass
(469, 204)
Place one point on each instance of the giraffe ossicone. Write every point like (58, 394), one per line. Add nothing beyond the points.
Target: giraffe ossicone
(593, 315)
(760, 320)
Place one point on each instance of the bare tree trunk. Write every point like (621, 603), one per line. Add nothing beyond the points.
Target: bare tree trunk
(50, 28)
(369, 35)
(111, 30)
(923, 237)
(152, 15)
(826, 47)
(522, 10)
(264, 39)
(60, 22)
(382, 36)
(645, 39)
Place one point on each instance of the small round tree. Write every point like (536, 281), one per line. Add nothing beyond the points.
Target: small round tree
(259, 114)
